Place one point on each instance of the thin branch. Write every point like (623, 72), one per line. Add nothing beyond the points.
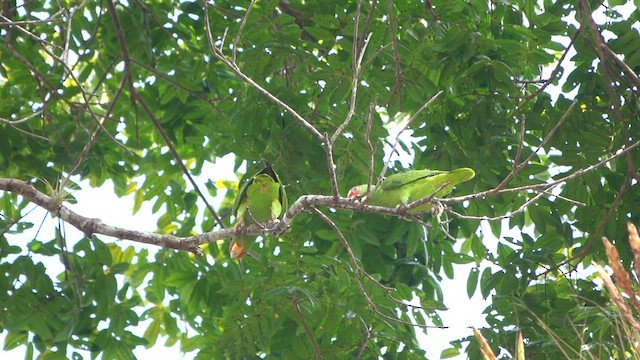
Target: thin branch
(519, 166)
(29, 133)
(354, 92)
(632, 76)
(177, 157)
(397, 87)
(540, 187)
(236, 39)
(554, 73)
(94, 135)
(170, 80)
(69, 72)
(370, 17)
(332, 167)
(217, 52)
(363, 344)
(296, 306)
(356, 62)
(523, 129)
(135, 96)
(20, 121)
(397, 140)
(510, 214)
(587, 248)
(367, 138)
(358, 270)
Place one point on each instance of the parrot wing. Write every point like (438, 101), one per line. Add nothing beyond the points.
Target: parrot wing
(283, 199)
(240, 201)
(401, 179)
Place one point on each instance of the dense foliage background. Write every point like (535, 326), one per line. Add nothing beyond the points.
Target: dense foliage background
(145, 93)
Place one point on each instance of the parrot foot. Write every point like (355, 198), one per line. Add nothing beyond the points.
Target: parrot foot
(280, 230)
(437, 210)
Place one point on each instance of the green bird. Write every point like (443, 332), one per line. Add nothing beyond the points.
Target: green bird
(413, 185)
(261, 199)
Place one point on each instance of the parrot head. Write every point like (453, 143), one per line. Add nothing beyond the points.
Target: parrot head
(357, 191)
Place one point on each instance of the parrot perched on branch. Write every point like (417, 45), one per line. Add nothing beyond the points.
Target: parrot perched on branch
(413, 185)
(261, 199)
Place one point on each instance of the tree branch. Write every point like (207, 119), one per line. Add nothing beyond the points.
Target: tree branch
(135, 96)
(218, 53)
(519, 166)
(296, 306)
(397, 140)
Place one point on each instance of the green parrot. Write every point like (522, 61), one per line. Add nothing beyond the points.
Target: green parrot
(262, 198)
(413, 185)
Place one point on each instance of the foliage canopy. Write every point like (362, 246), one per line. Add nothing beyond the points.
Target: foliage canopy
(146, 93)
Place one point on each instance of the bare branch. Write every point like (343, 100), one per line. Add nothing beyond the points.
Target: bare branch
(177, 157)
(522, 208)
(332, 167)
(358, 270)
(236, 39)
(217, 52)
(519, 166)
(397, 87)
(367, 138)
(543, 186)
(135, 96)
(363, 344)
(20, 121)
(632, 76)
(553, 75)
(397, 140)
(296, 306)
(356, 62)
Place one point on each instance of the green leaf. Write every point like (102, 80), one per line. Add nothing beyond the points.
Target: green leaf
(472, 281)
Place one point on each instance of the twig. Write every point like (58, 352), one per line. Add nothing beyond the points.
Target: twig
(554, 73)
(522, 208)
(135, 96)
(236, 39)
(175, 83)
(539, 187)
(354, 92)
(632, 76)
(422, 108)
(519, 166)
(356, 62)
(363, 344)
(587, 248)
(397, 87)
(358, 271)
(83, 92)
(328, 147)
(94, 135)
(296, 306)
(217, 52)
(367, 138)
(177, 157)
(523, 129)
(20, 121)
(370, 17)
